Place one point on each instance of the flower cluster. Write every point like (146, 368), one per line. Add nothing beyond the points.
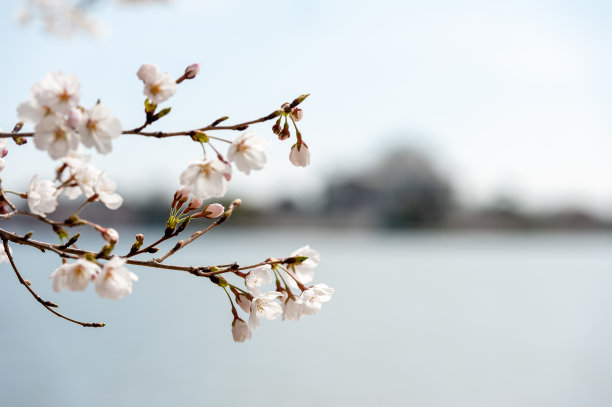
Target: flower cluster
(112, 280)
(60, 123)
(281, 302)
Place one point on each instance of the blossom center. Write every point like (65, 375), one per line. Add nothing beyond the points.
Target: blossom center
(155, 89)
(59, 134)
(64, 96)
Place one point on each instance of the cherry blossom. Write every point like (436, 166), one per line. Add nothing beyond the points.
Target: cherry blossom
(246, 151)
(86, 178)
(292, 310)
(258, 277)
(206, 179)
(158, 87)
(240, 330)
(312, 298)
(105, 188)
(76, 159)
(53, 135)
(56, 92)
(98, 127)
(115, 281)
(264, 305)
(299, 155)
(31, 111)
(304, 271)
(41, 196)
(74, 276)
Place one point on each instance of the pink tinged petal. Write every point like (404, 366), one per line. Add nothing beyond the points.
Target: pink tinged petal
(240, 331)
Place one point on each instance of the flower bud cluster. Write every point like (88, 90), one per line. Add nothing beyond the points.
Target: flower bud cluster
(299, 154)
(182, 218)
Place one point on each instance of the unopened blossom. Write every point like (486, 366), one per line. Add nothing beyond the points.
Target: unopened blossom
(297, 114)
(158, 87)
(110, 235)
(258, 277)
(57, 91)
(75, 117)
(304, 271)
(246, 151)
(194, 204)
(244, 303)
(206, 179)
(312, 298)
(98, 128)
(240, 330)
(3, 151)
(211, 211)
(53, 135)
(299, 155)
(105, 188)
(115, 281)
(4, 257)
(192, 71)
(264, 306)
(41, 196)
(181, 196)
(74, 276)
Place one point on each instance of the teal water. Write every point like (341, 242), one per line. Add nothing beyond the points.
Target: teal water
(417, 319)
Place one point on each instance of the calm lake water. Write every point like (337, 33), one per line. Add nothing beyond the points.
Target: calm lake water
(419, 319)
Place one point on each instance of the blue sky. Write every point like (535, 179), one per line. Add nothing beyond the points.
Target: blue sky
(511, 97)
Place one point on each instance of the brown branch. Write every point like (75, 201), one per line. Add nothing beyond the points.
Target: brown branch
(159, 134)
(72, 253)
(47, 304)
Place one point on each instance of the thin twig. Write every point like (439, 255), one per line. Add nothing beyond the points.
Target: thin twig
(46, 304)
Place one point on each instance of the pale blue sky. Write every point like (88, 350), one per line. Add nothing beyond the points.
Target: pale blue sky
(511, 97)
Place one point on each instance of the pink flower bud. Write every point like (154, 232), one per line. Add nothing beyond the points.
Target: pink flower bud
(210, 211)
(181, 196)
(285, 133)
(110, 235)
(75, 117)
(4, 152)
(297, 114)
(194, 204)
(191, 71)
(140, 238)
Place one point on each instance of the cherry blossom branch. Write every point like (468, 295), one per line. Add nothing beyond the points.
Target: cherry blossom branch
(62, 124)
(47, 304)
(200, 271)
(213, 126)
